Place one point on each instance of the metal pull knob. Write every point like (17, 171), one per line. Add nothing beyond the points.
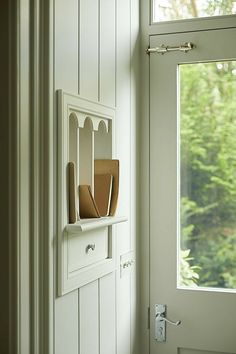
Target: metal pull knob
(90, 248)
(162, 318)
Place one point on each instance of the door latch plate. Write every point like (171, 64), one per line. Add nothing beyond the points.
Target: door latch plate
(160, 325)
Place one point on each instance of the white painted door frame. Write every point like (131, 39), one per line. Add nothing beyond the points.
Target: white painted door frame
(31, 140)
(198, 309)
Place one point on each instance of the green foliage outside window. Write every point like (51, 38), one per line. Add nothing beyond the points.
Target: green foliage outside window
(208, 172)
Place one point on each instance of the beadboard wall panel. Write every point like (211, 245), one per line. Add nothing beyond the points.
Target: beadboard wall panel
(89, 318)
(123, 120)
(123, 134)
(107, 305)
(67, 77)
(66, 45)
(89, 33)
(134, 167)
(93, 59)
(124, 309)
(66, 324)
(107, 72)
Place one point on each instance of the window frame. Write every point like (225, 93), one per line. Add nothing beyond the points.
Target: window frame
(187, 25)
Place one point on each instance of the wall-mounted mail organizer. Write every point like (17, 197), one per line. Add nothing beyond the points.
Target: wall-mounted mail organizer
(88, 184)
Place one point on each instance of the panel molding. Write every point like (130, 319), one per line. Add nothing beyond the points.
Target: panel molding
(30, 169)
(12, 229)
(42, 190)
(17, 167)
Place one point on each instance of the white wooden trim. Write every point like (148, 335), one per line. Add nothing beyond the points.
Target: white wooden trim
(35, 189)
(136, 207)
(193, 24)
(144, 180)
(42, 141)
(12, 211)
(21, 127)
(149, 29)
(20, 334)
(46, 207)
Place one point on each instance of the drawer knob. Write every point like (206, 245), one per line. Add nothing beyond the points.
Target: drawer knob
(90, 248)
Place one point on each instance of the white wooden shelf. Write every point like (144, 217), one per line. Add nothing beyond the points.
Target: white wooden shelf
(92, 224)
(86, 249)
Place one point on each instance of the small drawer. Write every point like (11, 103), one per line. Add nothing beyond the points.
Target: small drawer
(87, 248)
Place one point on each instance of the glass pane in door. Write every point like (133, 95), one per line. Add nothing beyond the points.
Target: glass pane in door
(168, 10)
(207, 167)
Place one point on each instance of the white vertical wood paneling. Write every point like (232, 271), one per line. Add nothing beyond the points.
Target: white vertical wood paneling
(107, 52)
(123, 129)
(108, 314)
(144, 241)
(123, 132)
(123, 315)
(135, 112)
(89, 319)
(93, 57)
(66, 78)
(89, 35)
(135, 195)
(66, 45)
(66, 324)
(134, 311)
(123, 137)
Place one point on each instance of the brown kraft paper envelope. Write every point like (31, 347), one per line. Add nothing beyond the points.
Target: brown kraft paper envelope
(87, 205)
(103, 192)
(73, 200)
(110, 167)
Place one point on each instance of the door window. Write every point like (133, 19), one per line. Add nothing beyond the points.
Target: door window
(168, 10)
(207, 174)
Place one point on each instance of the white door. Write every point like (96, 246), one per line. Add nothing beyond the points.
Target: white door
(193, 193)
